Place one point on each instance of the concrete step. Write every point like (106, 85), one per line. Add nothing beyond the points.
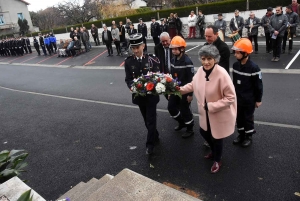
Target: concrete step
(93, 188)
(73, 191)
(15, 187)
(131, 186)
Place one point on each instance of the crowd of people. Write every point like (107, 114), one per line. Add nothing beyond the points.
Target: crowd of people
(223, 102)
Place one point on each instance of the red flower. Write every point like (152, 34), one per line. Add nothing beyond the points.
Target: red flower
(177, 88)
(139, 86)
(150, 86)
(158, 79)
(168, 79)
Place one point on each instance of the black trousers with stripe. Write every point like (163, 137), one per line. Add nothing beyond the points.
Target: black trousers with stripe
(177, 105)
(245, 119)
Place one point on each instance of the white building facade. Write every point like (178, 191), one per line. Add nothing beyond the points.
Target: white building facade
(10, 12)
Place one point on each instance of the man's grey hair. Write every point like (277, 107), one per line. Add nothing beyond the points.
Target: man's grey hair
(164, 34)
(209, 51)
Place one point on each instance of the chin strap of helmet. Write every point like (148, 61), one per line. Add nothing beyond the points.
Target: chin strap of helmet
(245, 55)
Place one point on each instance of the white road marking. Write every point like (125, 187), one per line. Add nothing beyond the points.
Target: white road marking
(192, 48)
(292, 61)
(135, 107)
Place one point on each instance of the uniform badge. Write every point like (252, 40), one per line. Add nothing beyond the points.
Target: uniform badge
(239, 82)
(260, 75)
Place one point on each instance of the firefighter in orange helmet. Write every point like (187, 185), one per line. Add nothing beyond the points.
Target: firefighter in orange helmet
(182, 68)
(247, 80)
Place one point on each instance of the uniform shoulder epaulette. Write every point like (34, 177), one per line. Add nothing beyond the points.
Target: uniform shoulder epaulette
(128, 57)
(152, 55)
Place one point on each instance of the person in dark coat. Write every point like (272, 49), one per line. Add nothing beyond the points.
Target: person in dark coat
(94, 32)
(164, 53)
(85, 39)
(72, 33)
(142, 28)
(36, 45)
(77, 46)
(252, 24)
(27, 42)
(293, 21)
(211, 36)
(132, 30)
(172, 25)
(122, 34)
(201, 24)
(178, 24)
(135, 66)
(163, 26)
(24, 45)
(155, 31)
(265, 22)
(42, 44)
(277, 26)
(237, 23)
(107, 39)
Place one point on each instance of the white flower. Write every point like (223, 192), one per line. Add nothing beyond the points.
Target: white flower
(160, 88)
(133, 89)
(145, 84)
(163, 81)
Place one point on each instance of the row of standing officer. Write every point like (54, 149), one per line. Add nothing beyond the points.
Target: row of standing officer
(15, 46)
(47, 42)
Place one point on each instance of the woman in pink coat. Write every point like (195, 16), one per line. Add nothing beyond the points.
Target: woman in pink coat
(216, 100)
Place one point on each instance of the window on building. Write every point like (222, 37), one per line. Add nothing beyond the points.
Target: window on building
(1, 20)
(20, 16)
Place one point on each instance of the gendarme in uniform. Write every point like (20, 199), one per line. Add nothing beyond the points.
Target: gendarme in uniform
(135, 66)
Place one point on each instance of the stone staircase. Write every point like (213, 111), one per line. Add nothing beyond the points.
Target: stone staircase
(127, 185)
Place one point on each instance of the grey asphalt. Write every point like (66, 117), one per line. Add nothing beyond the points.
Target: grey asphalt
(72, 140)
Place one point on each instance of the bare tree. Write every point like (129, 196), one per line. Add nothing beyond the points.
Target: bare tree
(47, 18)
(129, 3)
(78, 13)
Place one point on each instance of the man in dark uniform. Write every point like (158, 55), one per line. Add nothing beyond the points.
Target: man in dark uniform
(155, 31)
(142, 28)
(42, 44)
(135, 66)
(27, 42)
(24, 45)
(36, 45)
(163, 26)
(2, 48)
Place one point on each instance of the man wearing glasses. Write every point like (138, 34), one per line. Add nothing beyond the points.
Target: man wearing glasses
(278, 23)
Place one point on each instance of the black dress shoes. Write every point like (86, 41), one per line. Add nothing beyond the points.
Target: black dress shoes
(179, 127)
(247, 142)
(238, 140)
(149, 150)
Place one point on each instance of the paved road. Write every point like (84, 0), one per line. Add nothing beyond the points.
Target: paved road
(80, 123)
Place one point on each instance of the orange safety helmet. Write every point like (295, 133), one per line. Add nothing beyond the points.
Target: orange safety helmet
(177, 41)
(243, 45)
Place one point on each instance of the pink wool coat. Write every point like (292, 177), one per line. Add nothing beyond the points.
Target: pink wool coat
(220, 97)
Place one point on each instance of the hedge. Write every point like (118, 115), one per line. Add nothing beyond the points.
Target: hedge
(211, 8)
